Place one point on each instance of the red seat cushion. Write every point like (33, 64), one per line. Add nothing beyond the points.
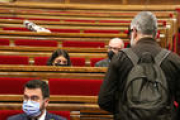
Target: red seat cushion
(83, 44)
(65, 114)
(18, 60)
(16, 18)
(93, 61)
(102, 31)
(10, 85)
(43, 19)
(36, 43)
(40, 60)
(4, 42)
(65, 30)
(4, 114)
(176, 104)
(81, 21)
(126, 44)
(114, 21)
(67, 86)
(16, 29)
(52, 30)
(80, 62)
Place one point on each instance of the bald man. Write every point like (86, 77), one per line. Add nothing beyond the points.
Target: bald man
(115, 45)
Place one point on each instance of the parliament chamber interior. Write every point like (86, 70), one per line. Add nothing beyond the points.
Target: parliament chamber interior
(83, 29)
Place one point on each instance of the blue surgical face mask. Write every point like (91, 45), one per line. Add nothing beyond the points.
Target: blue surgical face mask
(31, 108)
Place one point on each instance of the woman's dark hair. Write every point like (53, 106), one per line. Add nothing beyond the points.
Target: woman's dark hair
(57, 53)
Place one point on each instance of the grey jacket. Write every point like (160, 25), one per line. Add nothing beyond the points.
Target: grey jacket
(103, 63)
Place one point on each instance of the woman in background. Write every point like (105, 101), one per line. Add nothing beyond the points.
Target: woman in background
(59, 58)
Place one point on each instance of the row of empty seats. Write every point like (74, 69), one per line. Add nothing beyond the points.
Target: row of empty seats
(58, 86)
(69, 30)
(166, 17)
(42, 61)
(52, 43)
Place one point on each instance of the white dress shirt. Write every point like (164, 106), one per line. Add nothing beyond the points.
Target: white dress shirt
(43, 116)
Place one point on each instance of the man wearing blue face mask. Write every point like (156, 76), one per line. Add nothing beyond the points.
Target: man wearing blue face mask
(36, 99)
(115, 45)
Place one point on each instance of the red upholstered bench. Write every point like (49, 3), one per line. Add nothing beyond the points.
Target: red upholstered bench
(80, 21)
(127, 21)
(80, 87)
(18, 60)
(40, 61)
(126, 44)
(80, 62)
(83, 44)
(15, 29)
(102, 31)
(52, 30)
(176, 104)
(4, 114)
(15, 18)
(9, 85)
(4, 42)
(114, 21)
(43, 19)
(19, 18)
(93, 61)
(65, 30)
(36, 43)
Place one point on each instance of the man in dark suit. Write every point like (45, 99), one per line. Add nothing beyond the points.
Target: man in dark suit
(115, 45)
(36, 99)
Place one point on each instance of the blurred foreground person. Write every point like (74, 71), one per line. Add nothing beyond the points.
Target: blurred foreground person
(143, 81)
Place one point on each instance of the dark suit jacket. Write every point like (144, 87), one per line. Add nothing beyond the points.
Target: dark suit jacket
(23, 116)
(102, 63)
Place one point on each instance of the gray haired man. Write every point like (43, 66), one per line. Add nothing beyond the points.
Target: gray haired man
(143, 32)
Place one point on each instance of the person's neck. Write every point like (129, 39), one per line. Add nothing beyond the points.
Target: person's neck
(141, 36)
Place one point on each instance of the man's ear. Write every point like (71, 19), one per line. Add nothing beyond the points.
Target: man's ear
(135, 32)
(135, 35)
(46, 102)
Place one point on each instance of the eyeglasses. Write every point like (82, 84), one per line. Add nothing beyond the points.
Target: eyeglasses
(129, 31)
(114, 48)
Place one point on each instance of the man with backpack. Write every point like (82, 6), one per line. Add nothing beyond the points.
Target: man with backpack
(142, 82)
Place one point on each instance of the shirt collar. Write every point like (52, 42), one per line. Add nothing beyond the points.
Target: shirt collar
(146, 40)
(43, 116)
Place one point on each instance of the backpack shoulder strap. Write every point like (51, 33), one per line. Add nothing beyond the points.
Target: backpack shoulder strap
(161, 56)
(131, 55)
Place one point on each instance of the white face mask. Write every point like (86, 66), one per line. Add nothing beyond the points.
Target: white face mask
(31, 108)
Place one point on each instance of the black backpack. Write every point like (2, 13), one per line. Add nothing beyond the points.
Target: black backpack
(146, 92)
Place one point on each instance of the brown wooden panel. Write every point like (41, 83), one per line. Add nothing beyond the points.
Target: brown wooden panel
(53, 99)
(46, 72)
(52, 5)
